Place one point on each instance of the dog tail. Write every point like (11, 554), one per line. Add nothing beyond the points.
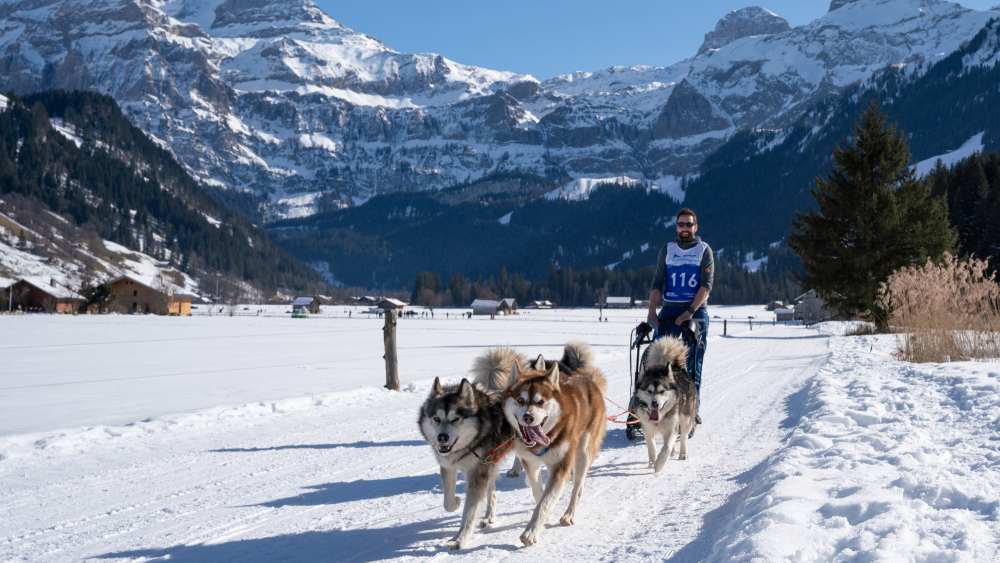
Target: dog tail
(577, 354)
(598, 378)
(491, 370)
(667, 350)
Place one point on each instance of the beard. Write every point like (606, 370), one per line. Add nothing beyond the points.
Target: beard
(685, 236)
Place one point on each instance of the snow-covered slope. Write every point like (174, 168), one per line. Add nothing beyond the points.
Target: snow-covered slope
(91, 261)
(280, 98)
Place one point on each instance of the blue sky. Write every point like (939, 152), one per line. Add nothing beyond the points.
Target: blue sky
(550, 37)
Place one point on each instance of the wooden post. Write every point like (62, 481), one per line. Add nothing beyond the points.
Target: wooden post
(389, 338)
(724, 326)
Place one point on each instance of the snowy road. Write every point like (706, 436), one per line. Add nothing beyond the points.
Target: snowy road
(342, 475)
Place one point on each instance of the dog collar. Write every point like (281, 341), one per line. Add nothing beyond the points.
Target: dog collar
(539, 454)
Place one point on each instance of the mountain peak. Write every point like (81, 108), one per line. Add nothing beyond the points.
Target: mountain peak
(746, 22)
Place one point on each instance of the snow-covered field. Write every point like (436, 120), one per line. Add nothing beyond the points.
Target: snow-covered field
(267, 438)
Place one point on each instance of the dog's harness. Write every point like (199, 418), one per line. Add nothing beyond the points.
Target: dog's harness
(493, 456)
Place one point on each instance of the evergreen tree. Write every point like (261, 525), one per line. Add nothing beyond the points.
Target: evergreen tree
(874, 217)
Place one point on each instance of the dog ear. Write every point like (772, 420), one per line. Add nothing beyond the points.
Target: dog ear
(515, 375)
(437, 390)
(539, 362)
(465, 390)
(553, 376)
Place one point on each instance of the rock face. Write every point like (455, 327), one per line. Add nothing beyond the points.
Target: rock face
(278, 98)
(747, 22)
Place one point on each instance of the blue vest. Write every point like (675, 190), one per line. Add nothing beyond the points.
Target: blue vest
(683, 272)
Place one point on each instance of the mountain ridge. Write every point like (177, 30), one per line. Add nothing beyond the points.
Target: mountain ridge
(282, 100)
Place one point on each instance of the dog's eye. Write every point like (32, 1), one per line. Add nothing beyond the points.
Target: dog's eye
(541, 401)
(455, 420)
(520, 401)
(437, 420)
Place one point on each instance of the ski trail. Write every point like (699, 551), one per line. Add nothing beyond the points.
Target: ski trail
(350, 479)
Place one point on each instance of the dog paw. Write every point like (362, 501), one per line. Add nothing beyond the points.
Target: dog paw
(650, 466)
(486, 522)
(567, 520)
(453, 505)
(684, 457)
(455, 544)
(513, 474)
(529, 537)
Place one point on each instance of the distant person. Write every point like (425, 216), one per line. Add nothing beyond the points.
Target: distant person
(685, 270)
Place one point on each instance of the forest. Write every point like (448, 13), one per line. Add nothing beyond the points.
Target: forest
(121, 185)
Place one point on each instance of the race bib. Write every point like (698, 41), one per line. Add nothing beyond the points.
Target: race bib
(683, 272)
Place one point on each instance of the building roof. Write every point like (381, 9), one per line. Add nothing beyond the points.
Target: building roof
(485, 303)
(510, 301)
(804, 294)
(395, 302)
(618, 300)
(150, 283)
(303, 300)
(44, 284)
(784, 311)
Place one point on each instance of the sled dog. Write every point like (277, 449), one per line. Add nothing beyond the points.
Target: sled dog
(463, 425)
(559, 420)
(666, 399)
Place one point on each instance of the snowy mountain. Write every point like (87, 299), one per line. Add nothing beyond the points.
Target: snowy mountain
(279, 98)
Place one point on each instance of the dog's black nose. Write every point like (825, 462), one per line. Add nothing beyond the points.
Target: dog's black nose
(443, 438)
(528, 419)
(655, 406)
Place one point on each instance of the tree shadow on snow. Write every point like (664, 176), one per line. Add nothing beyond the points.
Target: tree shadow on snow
(362, 444)
(355, 545)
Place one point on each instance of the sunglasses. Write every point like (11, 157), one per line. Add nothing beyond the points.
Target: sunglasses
(685, 224)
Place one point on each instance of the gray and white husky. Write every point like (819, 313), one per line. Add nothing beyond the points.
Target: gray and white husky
(463, 424)
(666, 400)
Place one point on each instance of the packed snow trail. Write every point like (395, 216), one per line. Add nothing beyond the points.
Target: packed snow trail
(345, 476)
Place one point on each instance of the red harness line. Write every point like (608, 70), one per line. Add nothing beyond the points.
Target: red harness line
(614, 418)
(493, 457)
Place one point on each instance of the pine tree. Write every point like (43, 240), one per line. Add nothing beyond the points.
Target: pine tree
(874, 216)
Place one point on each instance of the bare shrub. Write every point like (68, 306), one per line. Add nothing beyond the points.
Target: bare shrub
(165, 292)
(947, 310)
(862, 328)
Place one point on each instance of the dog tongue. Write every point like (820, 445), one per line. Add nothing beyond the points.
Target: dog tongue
(535, 434)
(654, 415)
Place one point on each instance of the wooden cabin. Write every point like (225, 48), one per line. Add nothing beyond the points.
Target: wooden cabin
(42, 295)
(137, 295)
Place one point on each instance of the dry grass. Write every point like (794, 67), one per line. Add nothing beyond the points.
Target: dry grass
(942, 312)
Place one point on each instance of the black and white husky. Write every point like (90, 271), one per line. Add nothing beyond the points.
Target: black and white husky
(463, 424)
(666, 400)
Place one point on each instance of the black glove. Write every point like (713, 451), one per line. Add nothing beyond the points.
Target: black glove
(641, 332)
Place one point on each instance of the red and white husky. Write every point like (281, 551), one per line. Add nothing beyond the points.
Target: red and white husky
(559, 419)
